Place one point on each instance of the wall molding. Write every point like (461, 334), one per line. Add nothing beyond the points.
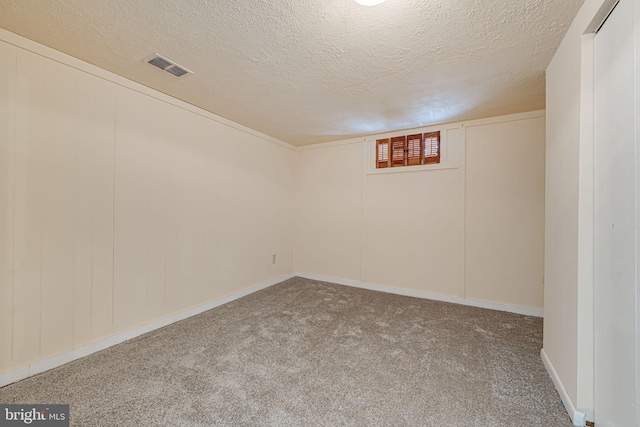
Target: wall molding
(63, 58)
(77, 353)
(86, 350)
(576, 417)
(349, 141)
(507, 118)
(68, 60)
(425, 295)
(437, 126)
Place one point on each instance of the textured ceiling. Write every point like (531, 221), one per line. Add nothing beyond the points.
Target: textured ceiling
(310, 71)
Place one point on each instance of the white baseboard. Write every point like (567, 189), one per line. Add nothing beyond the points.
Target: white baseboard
(426, 295)
(77, 353)
(578, 418)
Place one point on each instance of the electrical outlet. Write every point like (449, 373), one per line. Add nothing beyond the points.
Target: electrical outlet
(273, 259)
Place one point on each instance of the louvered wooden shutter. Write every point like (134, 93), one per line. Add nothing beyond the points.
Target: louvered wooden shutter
(382, 153)
(414, 144)
(398, 151)
(411, 150)
(431, 147)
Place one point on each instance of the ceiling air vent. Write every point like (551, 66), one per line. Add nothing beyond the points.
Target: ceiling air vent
(167, 65)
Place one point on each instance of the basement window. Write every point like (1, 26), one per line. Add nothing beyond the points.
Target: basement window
(409, 150)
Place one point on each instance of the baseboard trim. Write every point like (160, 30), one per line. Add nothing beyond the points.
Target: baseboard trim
(578, 418)
(77, 353)
(426, 295)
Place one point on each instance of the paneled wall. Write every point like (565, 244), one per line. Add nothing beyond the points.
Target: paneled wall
(329, 214)
(471, 228)
(119, 207)
(504, 205)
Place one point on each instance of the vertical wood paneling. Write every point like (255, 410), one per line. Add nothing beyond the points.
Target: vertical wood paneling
(103, 207)
(210, 199)
(222, 194)
(58, 208)
(504, 212)
(83, 214)
(30, 137)
(411, 241)
(161, 135)
(200, 260)
(8, 57)
(131, 210)
(117, 209)
(171, 193)
(329, 219)
(218, 205)
(261, 179)
(185, 211)
(281, 189)
(249, 196)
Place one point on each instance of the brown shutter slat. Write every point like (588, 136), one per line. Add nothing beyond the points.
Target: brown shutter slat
(431, 147)
(414, 144)
(398, 151)
(382, 153)
(411, 150)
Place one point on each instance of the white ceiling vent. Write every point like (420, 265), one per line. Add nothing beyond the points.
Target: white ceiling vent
(167, 65)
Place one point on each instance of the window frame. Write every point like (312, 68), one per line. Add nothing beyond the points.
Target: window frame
(370, 153)
(400, 151)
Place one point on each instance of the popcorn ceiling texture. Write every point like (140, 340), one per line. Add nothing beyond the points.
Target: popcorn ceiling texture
(310, 71)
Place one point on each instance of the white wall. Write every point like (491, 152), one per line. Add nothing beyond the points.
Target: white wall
(504, 196)
(568, 298)
(616, 221)
(329, 211)
(120, 205)
(470, 228)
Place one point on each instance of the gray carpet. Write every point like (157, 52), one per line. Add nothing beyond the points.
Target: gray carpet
(308, 353)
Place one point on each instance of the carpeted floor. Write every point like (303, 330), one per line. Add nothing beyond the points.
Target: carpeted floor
(308, 353)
